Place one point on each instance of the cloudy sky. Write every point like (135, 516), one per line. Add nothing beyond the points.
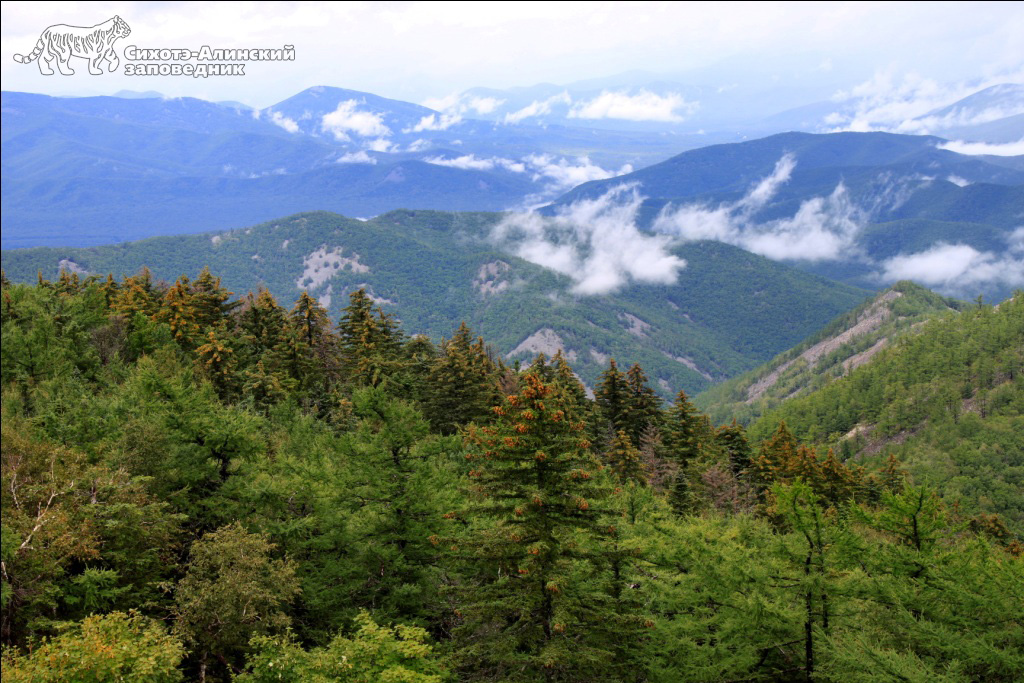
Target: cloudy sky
(417, 51)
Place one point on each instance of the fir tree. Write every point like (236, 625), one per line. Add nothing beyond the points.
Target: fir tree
(644, 405)
(534, 611)
(614, 400)
(370, 341)
(461, 386)
(624, 459)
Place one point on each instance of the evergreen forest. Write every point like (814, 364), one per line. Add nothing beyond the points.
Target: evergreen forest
(204, 486)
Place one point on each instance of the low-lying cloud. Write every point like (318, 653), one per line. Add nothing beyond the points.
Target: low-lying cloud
(556, 174)
(360, 157)
(475, 163)
(563, 174)
(959, 269)
(823, 228)
(279, 119)
(643, 106)
(1009, 149)
(538, 108)
(916, 105)
(348, 119)
(596, 242)
(442, 121)
(461, 104)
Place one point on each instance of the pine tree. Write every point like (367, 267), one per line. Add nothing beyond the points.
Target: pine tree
(179, 312)
(682, 431)
(210, 300)
(262, 323)
(533, 611)
(570, 383)
(734, 440)
(218, 361)
(776, 459)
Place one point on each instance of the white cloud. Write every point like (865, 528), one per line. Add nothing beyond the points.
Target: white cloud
(564, 174)
(360, 157)
(435, 122)
(596, 242)
(280, 119)
(381, 145)
(456, 105)
(823, 228)
(958, 269)
(442, 103)
(762, 193)
(958, 181)
(538, 108)
(346, 119)
(474, 163)
(887, 102)
(643, 106)
(1010, 149)
(484, 105)
(419, 145)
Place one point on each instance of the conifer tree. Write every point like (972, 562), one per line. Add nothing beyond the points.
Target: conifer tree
(218, 361)
(570, 383)
(262, 323)
(137, 295)
(682, 431)
(179, 312)
(614, 399)
(533, 611)
(734, 440)
(370, 341)
(624, 459)
(644, 405)
(461, 384)
(210, 300)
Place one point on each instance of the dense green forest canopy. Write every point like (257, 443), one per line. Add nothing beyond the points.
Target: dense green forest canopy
(202, 487)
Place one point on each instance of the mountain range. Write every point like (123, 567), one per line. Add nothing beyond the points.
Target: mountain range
(95, 170)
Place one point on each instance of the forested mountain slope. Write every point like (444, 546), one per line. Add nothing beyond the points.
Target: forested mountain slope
(947, 399)
(728, 311)
(844, 344)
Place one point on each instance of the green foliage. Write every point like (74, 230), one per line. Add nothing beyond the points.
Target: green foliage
(947, 401)
(424, 267)
(233, 589)
(389, 654)
(825, 355)
(532, 607)
(461, 383)
(321, 481)
(113, 647)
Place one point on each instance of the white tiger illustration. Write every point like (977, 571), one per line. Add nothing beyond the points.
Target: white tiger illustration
(62, 42)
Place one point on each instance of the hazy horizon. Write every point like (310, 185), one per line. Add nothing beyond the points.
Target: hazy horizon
(426, 52)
